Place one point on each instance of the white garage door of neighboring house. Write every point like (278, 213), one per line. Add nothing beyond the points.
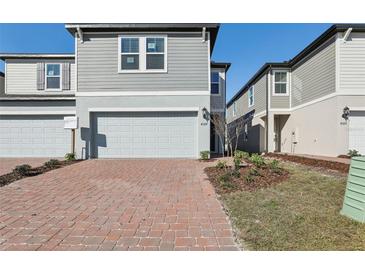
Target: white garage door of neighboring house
(145, 135)
(357, 131)
(33, 136)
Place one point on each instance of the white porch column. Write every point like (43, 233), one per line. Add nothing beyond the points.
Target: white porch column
(271, 135)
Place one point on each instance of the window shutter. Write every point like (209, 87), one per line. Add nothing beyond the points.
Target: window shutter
(66, 76)
(40, 76)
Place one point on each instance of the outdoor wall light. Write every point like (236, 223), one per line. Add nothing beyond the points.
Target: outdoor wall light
(205, 113)
(346, 113)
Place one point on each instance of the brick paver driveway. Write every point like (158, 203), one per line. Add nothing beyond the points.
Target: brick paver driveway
(115, 205)
(8, 164)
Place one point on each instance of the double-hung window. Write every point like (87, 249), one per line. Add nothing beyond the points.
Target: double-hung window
(280, 83)
(129, 54)
(155, 53)
(142, 54)
(251, 96)
(53, 76)
(214, 82)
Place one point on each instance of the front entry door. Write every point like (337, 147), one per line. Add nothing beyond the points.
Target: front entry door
(277, 135)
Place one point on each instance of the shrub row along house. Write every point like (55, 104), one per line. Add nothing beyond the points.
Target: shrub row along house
(138, 90)
(312, 104)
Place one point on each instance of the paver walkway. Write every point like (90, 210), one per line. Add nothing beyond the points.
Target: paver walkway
(115, 205)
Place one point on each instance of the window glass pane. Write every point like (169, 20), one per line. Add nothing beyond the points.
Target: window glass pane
(53, 69)
(130, 45)
(214, 88)
(280, 88)
(130, 61)
(53, 82)
(214, 77)
(280, 76)
(155, 61)
(155, 44)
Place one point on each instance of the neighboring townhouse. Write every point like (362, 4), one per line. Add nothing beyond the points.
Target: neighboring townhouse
(137, 90)
(312, 104)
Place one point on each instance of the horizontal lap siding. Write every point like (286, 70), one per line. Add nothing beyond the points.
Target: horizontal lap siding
(351, 61)
(187, 66)
(280, 101)
(21, 76)
(315, 77)
(242, 108)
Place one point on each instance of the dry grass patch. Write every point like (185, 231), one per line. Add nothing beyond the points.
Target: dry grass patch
(301, 213)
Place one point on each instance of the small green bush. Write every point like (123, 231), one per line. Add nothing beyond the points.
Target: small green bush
(257, 160)
(22, 170)
(241, 154)
(226, 177)
(221, 165)
(274, 166)
(204, 155)
(52, 163)
(254, 172)
(353, 153)
(249, 178)
(70, 157)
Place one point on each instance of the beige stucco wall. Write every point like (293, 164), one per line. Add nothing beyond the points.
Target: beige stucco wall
(319, 127)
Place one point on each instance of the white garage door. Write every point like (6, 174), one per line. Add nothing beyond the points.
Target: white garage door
(357, 131)
(33, 136)
(145, 135)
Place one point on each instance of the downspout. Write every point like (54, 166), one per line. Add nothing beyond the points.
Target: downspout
(267, 111)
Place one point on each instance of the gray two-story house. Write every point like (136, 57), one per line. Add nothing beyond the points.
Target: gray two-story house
(137, 90)
(311, 104)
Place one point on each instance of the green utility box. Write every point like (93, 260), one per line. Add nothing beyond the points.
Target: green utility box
(354, 201)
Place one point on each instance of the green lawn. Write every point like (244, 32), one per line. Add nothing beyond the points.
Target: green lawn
(301, 213)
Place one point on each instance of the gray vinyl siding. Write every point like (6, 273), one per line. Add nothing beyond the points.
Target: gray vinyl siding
(260, 93)
(2, 85)
(21, 76)
(280, 101)
(314, 77)
(351, 62)
(187, 66)
(218, 102)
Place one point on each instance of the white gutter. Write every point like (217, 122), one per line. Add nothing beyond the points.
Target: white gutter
(81, 35)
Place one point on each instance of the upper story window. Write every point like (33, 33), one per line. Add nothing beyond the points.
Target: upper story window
(280, 83)
(53, 76)
(251, 96)
(142, 54)
(214, 82)
(234, 110)
(155, 48)
(130, 54)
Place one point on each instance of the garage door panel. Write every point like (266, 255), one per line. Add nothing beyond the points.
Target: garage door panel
(33, 136)
(145, 134)
(357, 131)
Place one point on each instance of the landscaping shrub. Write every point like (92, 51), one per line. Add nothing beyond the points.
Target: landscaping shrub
(241, 154)
(249, 178)
(257, 160)
(221, 165)
(22, 170)
(226, 177)
(254, 172)
(204, 155)
(70, 156)
(274, 166)
(52, 163)
(353, 153)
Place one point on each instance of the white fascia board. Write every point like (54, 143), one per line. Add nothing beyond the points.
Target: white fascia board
(168, 109)
(38, 112)
(142, 93)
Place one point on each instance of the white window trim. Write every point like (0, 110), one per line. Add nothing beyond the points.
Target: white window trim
(46, 76)
(234, 110)
(253, 96)
(219, 83)
(142, 54)
(273, 83)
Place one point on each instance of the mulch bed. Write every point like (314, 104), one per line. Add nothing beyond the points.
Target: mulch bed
(266, 177)
(341, 167)
(14, 176)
